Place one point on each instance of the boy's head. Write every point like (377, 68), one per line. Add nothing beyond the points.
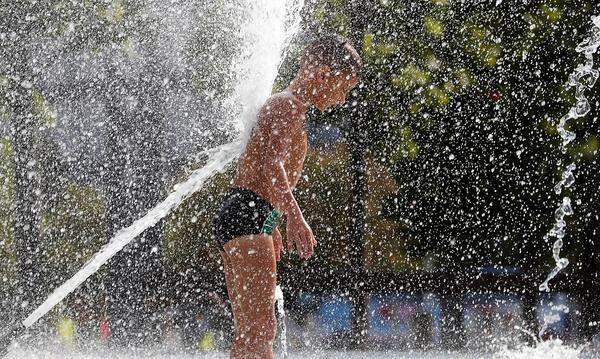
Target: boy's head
(332, 66)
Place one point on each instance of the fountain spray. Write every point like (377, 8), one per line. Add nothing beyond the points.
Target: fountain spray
(219, 158)
(583, 78)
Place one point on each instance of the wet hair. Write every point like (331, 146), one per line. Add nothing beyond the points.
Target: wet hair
(331, 50)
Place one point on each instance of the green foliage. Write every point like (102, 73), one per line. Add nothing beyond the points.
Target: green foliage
(323, 196)
(410, 77)
(463, 99)
(188, 230)
(8, 259)
(433, 26)
(44, 110)
(4, 107)
(73, 231)
(406, 147)
(213, 48)
(589, 148)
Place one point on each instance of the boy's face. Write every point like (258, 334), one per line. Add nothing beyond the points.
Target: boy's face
(333, 87)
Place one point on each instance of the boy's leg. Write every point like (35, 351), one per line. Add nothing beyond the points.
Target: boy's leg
(231, 293)
(251, 275)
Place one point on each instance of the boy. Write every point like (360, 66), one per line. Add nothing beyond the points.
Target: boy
(262, 191)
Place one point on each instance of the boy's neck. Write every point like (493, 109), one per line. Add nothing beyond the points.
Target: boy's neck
(300, 89)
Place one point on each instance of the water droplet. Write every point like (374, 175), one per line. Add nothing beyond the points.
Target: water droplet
(567, 137)
(558, 187)
(566, 206)
(559, 214)
(562, 263)
(560, 233)
(589, 79)
(582, 107)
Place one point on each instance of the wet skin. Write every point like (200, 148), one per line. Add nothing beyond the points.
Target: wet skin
(271, 166)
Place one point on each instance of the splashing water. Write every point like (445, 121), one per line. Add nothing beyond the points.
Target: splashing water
(282, 326)
(273, 23)
(542, 350)
(219, 159)
(583, 78)
(256, 73)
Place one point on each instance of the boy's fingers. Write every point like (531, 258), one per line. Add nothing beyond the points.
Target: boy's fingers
(299, 246)
(293, 242)
(308, 248)
(302, 242)
(277, 239)
(289, 241)
(311, 242)
(277, 248)
(305, 247)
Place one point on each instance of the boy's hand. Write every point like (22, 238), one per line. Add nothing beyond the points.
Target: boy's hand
(277, 244)
(300, 235)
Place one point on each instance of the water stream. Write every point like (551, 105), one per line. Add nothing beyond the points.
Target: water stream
(281, 321)
(219, 158)
(583, 78)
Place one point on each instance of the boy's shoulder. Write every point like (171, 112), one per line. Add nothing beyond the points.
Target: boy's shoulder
(283, 102)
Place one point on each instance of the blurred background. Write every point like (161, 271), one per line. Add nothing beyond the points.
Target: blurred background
(429, 192)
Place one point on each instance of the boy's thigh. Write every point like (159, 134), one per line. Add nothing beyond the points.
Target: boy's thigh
(252, 268)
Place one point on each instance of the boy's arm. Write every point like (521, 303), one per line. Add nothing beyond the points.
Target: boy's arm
(277, 153)
(283, 124)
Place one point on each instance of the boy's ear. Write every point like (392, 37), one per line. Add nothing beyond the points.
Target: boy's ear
(322, 73)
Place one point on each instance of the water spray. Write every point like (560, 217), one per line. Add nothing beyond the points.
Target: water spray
(218, 160)
(583, 78)
(262, 58)
(281, 321)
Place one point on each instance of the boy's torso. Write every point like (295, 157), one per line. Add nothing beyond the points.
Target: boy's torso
(251, 171)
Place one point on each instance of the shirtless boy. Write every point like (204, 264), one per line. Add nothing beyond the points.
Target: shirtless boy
(267, 173)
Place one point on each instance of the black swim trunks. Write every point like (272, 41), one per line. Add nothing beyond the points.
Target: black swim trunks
(242, 213)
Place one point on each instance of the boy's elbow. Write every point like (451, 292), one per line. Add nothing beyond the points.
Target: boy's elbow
(275, 165)
(275, 172)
